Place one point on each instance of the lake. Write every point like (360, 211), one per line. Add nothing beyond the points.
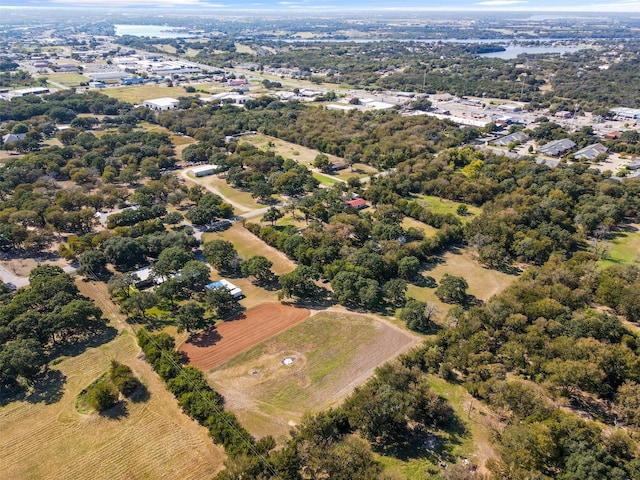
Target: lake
(158, 31)
(512, 51)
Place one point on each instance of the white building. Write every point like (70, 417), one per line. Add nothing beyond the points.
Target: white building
(164, 103)
(233, 290)
(204, 170)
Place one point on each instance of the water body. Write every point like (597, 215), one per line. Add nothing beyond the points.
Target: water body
(157, 31)
(512, 51)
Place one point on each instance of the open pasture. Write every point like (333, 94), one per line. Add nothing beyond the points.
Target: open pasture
(483, 282)
(330, 354)
(46, 437)
(215, 346)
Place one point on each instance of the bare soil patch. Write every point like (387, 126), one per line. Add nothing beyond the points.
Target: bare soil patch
(227, 339)
(312, 366)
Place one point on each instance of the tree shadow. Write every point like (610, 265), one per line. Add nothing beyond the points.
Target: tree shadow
(104, 335)
(140, 394)
(119, 411)
(425, 281)
(48, 387)
(270, 284)
(205, 338)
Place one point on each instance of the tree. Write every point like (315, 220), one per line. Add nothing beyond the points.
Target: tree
(452, 289)
(395, 291)
(258, 267)
(272, 215)
(220, 302)
(322, 163)
(120, 285)
(138, 303)
(408, 268)
(103, 396)
(92, 263)
(123, 252)
(123, 378)
(190, 317)
(299, 283)
(171, 260)
(21, 358)
(221, 254)
(417, 315)
(194, 275)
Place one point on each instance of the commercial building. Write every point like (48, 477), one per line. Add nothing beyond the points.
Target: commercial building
(557, 147)
(590, 152)
(516, 137)
(630, 113)
(164, 103)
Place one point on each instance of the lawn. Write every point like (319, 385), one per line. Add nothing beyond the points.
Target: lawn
(151, 439)
(177, 140)
(286, 149)
(326, 179)
(269, 396)
(625, 247)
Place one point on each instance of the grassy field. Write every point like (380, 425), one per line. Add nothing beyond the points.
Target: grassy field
(286, 149)
(483, 282)
(325, 179)
(441, 205)
(625, 247)
(177, 140)
(150, 439)
(137, 94)
(429, 231)
(70, 79)
(269, 396)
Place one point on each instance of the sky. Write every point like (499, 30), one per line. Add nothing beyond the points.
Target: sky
(604, 6)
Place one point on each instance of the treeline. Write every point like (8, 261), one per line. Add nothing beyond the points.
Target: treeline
(380, 139)
(35, 320)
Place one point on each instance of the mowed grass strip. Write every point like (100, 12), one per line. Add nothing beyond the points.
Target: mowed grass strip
(247, 245)
(332, 353)
(153, 439)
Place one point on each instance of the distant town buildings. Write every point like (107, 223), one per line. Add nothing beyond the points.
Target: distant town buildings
(557, 147)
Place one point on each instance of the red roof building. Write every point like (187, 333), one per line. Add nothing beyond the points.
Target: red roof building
(357, 203)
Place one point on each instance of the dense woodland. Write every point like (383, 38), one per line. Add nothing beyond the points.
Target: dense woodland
(554, 345)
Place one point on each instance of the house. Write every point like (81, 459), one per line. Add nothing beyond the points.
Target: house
(634, 165)
(516, 137)
(590, 152)
(233, 290)
(557, 147)
(146, 278)
(613, 135)
(12, 137)
(204, 170)
(357, 203)
(164, 103)
(335, 166)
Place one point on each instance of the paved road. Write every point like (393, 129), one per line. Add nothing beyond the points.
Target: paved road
(8, 277)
